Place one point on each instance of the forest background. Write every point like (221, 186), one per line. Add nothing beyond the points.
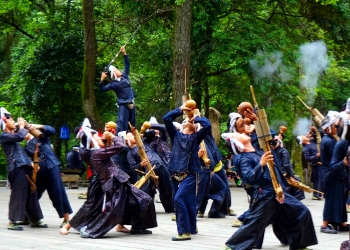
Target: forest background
(52, 53)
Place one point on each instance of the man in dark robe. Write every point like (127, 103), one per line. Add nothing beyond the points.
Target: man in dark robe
(211, 185)
(49, 177)
(156, 137)
(119, 82)
(23, 202)
(165, 187)
(311, 155)
(184, 166)
(286, 212)
(286, 167)
(336, 175)
(73, 160)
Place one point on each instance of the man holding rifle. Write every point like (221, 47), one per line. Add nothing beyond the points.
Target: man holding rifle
(288, 214)
(119, 82)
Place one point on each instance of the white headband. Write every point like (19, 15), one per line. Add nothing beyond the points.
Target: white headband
(86, 129)
(235, 144)
(3, 119)
(113, 75)
(279, 141)
(233, 118)
(300, 140)
(328, 125)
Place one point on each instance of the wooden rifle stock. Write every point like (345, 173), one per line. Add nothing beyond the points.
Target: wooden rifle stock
(263, 133)
(302, 186)
(36, 161)
(143, 155)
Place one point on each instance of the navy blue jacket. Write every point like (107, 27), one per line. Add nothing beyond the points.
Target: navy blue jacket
(45, 150)
(211, 146)
(337, 166)
(327, 146)
(285, 165)
(310, 153)
(134, 158)
(257, 176)
(122, 88)
(15, 156)
(184, 157)
(160, 143)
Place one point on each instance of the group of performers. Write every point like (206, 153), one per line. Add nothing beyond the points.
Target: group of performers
(130, 167)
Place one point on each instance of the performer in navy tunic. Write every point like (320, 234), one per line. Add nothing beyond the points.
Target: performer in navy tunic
(165, 187)
(156, 136)
(184, 165)
(22, 202)
(287, 213)
(211, 185)
(286, 167)
(334, 211)
(73, 160)
(312, 155)
(120, 83)
(49, 177)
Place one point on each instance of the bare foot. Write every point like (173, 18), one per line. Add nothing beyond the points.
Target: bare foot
(64, 229)
(120, 228)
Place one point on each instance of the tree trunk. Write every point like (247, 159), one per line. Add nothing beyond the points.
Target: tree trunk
(90, 49)
(182, 51)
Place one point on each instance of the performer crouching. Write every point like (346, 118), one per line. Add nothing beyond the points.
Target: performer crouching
(184, 165)
(288, 213)
(19, 167)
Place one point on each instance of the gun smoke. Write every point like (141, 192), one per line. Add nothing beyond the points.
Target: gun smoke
(272, 67)
(313, 62)
(302, 127)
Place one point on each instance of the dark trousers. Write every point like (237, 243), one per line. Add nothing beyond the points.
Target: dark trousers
(185, 206)
(125, 115)
(292, 217)
(165, 188)
(22, 201)
(212, 187)
(316, 178)
(51, 180)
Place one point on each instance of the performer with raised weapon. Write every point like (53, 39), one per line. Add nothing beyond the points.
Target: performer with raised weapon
(268, 199)
(141, 156)
(184, 167)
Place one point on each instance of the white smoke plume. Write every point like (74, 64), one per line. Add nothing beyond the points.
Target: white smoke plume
(302, 127)
(313, 62)
(272, 67)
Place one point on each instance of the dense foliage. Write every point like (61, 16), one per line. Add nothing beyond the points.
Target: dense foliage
(234, 44)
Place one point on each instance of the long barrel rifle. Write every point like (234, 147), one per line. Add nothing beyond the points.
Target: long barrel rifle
(112, 61)
(264, 136)
(318, 117)
(143, 156)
